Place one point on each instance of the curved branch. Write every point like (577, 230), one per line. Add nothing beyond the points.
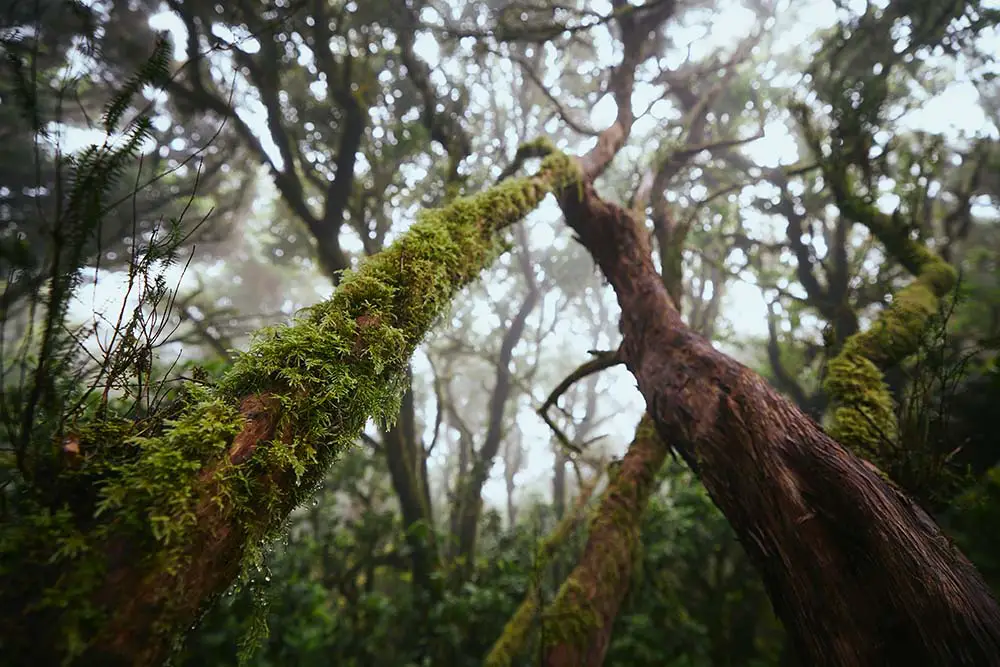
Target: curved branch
(212, 462)
(889, 588)
(602, 360)
(561, 110)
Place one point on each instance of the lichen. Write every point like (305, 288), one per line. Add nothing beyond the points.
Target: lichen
(337, 365)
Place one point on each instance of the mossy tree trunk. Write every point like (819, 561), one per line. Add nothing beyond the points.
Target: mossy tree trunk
(326, 213)
(858, 573)
(515, 637)
(182, 511)
(576, 627)
(864, 410)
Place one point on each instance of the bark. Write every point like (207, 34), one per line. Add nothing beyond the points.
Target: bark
(225, 473)
(858, 573)
(576, 629)
(408, 475)
(517, 630)
(559, 483)
(512, 465)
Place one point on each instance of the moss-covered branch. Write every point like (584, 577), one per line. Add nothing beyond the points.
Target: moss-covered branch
(576, 627)
(174, 515)
(515, 633)
(863, 415)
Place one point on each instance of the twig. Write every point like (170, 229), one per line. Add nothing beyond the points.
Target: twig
(602, 360)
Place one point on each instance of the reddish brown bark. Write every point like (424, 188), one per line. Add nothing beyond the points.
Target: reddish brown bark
(129, 637)
(859, 574)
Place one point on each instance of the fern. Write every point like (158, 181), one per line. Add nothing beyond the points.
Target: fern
(155, 71)
(50, 385)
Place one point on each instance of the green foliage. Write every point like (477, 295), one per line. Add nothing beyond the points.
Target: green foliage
(106, 468)
(699, 602)
(62, 435)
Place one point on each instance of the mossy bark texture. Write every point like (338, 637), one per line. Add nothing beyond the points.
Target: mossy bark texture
(864, 414)
(576, 627)
(180, 516)
(518, 629)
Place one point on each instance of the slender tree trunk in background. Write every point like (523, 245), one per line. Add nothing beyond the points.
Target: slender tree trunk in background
(470, 492)
(461, 474)
(559, 483)
(559, 501)
(404, 456)
(511, 505)
(858, 573)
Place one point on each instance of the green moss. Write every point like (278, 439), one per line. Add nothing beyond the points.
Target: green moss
(339, 364)
(511, 641)
(571, 619)
(574, 615)
(520, 625)
(161, 480)
(863, 416)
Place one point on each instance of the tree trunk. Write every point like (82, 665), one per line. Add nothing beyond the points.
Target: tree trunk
(517, 631)
(404, 457)
(511, 505)
(858, 573)
(559, 483)
(180, 511)
(576, 628)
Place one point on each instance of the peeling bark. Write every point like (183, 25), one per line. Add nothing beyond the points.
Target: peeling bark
(858, 573)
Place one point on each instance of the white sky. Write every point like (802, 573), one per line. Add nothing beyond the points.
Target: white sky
(954, 111)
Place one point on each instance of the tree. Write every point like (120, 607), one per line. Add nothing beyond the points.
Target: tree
(785, 485)
(219, 473)
(135, 577)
